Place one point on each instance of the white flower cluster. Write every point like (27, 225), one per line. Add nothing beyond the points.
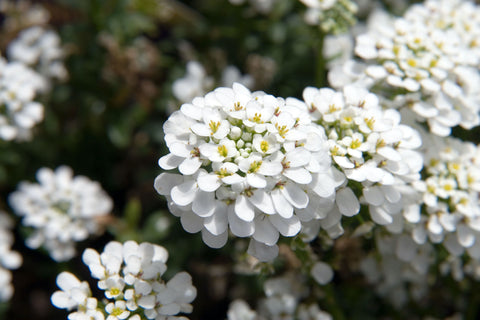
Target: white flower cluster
(399, 268)
(428, 60)
(283, 300)
(196, 82)
(61, 209)
(130, 275)
(449, 210)
(248, 162)
(41, 50)
(262, 166)
(19, 113)
(373, 150)
(8, 259)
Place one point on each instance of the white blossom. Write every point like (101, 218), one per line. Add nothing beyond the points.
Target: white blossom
(429, 60)
(370, 147)
(61, 209)
(130, 274)
(398, 269)
(39, 49)
(249, 163)
(19, 113)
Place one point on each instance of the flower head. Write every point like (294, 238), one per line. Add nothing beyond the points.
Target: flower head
(130, 274)
(62, 209)
(249, 162)
(429, 60)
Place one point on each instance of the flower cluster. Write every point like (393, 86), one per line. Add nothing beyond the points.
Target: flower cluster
(449, 210)
(40, 50)
(374, 152)
(8, 259)
(283, 300)
(428, 61)
(248, 162)
(130, 275)
(399, 267)
(19, 113)
(61, 209)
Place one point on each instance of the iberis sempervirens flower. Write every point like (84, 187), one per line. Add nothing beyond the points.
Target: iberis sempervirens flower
(373, 153)
(428, 61)
(449, 209)
(130, 276)
(19, 113)
(248, 163)
(61, 209)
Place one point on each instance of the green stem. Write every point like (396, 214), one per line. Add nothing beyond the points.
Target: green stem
(320, 70)
(333, 307)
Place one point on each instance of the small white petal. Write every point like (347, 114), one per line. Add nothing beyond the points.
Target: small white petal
(262, 201)
(322, 273)
(189, 166)
(261, 251)
(295, 195)
(217, 223)
(465, 236)
(214, 241)
(239, 227)
(265, 232)
(380, 216)
(299, 175)
(191, 222)
(287, 227)
(282, 206)
(256, 180)
(347, 202)
(164, 182)
(184, 194)
(244, 209)
(270, 168)
(170, 161)
(204, 203)
(373, 195)
(208, 182)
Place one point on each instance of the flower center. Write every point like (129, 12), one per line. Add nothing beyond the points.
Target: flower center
(264, 146)
(222, 150)
(254, 166)
(214, 126)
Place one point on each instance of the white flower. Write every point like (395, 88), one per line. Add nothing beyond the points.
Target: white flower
(116, 310)
(448, 197)
(429, 59)
(39, 49)
(399, 268)
(239, 310)
(368, 145)
(322, 272)
(73, 292)
(131, 276)
(259, 160)
(62, 209)
(19, 113)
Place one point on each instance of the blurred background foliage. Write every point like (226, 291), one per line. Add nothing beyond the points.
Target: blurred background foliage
(106, 123)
